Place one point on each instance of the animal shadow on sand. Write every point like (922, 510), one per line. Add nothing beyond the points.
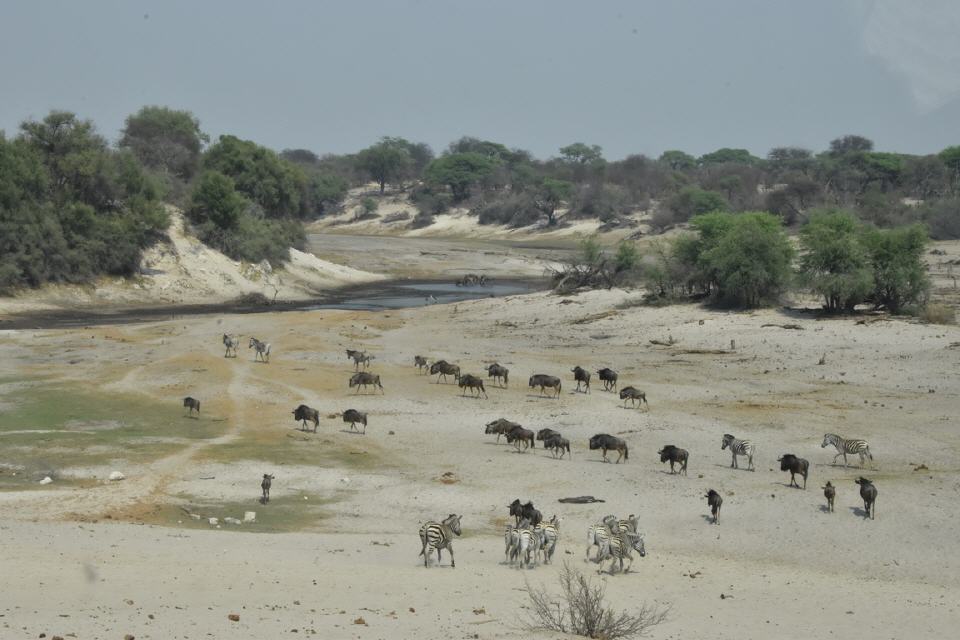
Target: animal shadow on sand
(858, 511)
(824, 509)
(707, 517)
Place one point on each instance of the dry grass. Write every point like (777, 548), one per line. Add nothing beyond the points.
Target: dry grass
(938, 314)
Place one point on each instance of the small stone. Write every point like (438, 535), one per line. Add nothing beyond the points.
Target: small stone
(46, 480)
(213, 521)
(360, 621)
(234, 617)
(229, 520)
(129, 637)
(116, 475)
(249, 516)
(129, 601)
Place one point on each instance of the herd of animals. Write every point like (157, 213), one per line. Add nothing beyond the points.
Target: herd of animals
(530, 540)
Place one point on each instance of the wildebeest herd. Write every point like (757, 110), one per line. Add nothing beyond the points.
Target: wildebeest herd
(530, 540)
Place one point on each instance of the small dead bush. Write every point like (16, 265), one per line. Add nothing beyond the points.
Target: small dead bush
(580, 610)
(938, 314)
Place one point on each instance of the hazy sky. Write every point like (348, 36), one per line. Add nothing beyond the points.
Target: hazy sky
(632, 76)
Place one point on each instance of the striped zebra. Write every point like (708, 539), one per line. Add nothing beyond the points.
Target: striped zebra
(439, 535)
(550, 534)
(511, 539)
(845, 446)
(599, 534)
(262, 350)
(739, 448)
(527, 547)
(621, 546)
(231, 343)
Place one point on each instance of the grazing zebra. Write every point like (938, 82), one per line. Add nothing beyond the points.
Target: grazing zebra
(265, 488)
(421, 363)
(439, 535)
(359, 357)
(191, 405)
(739, 448)
(620, 546)
(261, 349)
(845, 446)
(231, 344)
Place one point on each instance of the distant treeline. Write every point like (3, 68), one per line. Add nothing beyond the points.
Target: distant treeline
(73, 206)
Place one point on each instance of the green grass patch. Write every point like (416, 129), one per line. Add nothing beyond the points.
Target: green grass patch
(315, 450)
(280, 515)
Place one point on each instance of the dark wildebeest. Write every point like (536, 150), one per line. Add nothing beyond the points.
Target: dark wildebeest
(609, 378)
(471, 382)
(581, 376)
(359, 357)
(795, 465)
(191, 405)
(363, 379)
(445, 369)
(305, 414)
(829, 492)
(715, 502)
(525, 512)
(557, 444)
(265, 488)
(673, 455)
(869, 494)
(421, 363)
(634, 395)
(543, 434)
(500, 374)
(518, 435)
(500, 426)
(231, 344)
(606, 443)
(353, 417)
(543, 381)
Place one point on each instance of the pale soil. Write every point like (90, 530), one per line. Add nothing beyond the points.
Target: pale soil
(784, 566)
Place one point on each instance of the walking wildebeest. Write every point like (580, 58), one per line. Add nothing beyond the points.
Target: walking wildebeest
(518, 435)
(445, 369)
(557, 444)
(795, 465)
(675, 455)
(525, 512)
(606, 442)
(634, 395)
(231, 343)
(500, 374)
(543, 381)
(830, 493)
(363, 379)
(581, 376)
(543, 434)
(715, 502)
(869, 494)
(261, 349)
(471, 382)
(421, 363)
(359, 357)
(500, 426)
(353, 417)
(191, 405)
(609, 378)
(305, 414)
(265, 488)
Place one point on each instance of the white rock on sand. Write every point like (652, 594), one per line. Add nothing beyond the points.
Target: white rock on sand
(116, 475)
(46, 480)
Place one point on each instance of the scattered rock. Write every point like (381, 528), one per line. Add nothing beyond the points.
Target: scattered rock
(116, 475)
(345, 480)
(249, 516)
(480, 612)
(412, 610)
(46, 480)
(229, 520)
(213, 521)
(235, 617)
(360, 621)
(129, 637)
(921, 467)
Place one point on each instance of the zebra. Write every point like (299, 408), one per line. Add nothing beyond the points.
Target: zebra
(262, 350)
(231, 344)
(359, 357)
(529, 543)
(550, 534)
(439, 535)
(420, 363)
(739, 448)
(599, 534)
(620, 546)
(265, 488)
(845, 446)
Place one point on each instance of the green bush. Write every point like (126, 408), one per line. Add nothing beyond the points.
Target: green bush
(514, 210)
(896, 258)
(835, 263)
(692, 201)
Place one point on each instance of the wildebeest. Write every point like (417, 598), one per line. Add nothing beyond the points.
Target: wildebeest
(543, 381)
(421, 363)
(359, 357)
(869, 494)
(499, 373)
(829, 492)
(305, 414)
(472, 279)
(445, 369)
(715, 501)
(472, 382)
(543, 434)
(607, 442)
(363, 379)
(608, 377)
(795, 465)
(353, 417)
(500, 426)
(231, 343)
(191, 405)
(673, 454)
(518, 435)
(557, 444)
(525, 512)
(261, 349)
(634, 395)
(265, 488)
(581, 376)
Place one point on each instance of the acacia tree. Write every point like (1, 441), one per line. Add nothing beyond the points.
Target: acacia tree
(550, 194)
(834, 263)
(387, 161)
(460, 172)
(165, 139)
(896, 257)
